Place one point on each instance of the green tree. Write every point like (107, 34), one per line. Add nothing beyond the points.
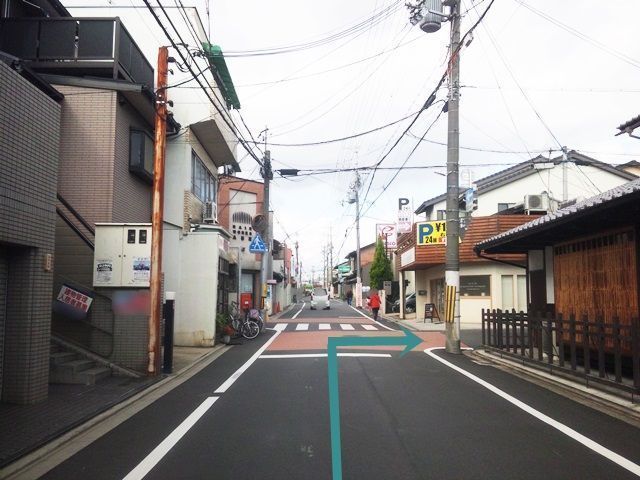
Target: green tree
(381, 267)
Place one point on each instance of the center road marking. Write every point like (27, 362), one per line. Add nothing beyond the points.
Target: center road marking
(151, 460)
(298, 312)
(571, 433)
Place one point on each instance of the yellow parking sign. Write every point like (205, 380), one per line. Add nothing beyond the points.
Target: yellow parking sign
(431, 233)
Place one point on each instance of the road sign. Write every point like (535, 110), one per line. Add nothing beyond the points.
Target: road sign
(409, 341)
(257, 245)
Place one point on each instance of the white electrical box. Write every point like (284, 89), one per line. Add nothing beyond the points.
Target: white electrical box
(122, 255)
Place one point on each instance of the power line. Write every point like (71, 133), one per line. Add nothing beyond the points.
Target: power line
(358, 28)
(235, 131)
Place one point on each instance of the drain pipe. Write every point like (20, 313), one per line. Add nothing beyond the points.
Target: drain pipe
(505, 262)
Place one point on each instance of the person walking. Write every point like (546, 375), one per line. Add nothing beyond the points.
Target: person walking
(349, 297)
(374, 303)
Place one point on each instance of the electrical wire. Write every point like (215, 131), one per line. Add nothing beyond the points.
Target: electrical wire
(358, 28)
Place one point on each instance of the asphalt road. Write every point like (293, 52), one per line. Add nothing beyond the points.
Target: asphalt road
(260, 411)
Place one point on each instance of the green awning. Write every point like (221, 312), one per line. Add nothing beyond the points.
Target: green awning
(216, 60)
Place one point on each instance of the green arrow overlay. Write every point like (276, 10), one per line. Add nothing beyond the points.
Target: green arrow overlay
(409, 340)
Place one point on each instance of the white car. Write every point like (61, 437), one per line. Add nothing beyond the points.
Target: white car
(320, 298)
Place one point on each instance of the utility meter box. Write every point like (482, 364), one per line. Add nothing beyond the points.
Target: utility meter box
(122, 255)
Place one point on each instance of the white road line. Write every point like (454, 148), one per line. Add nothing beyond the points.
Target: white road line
(571, 433)
(231, 380)
(169, 442)
(324, 326)
(367, 316)
(298, 312)
(369, 327)
(323, 355)
(346, 326)
(302, 326)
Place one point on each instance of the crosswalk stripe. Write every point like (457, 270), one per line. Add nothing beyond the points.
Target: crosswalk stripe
(324, 326)
(346, 326)
(369, 327)
(302, 326)
(280, 327)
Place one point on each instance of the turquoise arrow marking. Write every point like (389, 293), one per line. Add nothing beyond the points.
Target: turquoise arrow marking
(410, 341)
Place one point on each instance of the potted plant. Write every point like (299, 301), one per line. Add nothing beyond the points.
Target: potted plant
(225, 330)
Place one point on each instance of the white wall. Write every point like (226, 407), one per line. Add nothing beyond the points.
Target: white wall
(196, 296)
(470, 307)
(583, 181)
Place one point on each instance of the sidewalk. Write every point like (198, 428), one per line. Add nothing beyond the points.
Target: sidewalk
(24, 428)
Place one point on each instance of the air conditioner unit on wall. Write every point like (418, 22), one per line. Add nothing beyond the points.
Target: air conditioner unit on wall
(536, 203)
(210, 212)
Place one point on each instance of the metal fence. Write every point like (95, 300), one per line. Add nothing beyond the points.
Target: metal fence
(599, 351)
(64, 43)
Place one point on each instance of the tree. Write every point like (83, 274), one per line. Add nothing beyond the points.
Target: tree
(380, 268)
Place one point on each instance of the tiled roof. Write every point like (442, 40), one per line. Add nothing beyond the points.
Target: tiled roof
(525, 169)
(562, 215)
(631, 124)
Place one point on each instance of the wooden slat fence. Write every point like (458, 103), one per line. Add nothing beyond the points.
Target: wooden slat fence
(593, 349)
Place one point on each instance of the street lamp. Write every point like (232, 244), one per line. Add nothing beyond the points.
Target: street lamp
(428, 14)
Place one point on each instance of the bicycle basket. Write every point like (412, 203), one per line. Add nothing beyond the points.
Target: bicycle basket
(254, 313)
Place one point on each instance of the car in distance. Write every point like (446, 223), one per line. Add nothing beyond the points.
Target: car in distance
(320, 298)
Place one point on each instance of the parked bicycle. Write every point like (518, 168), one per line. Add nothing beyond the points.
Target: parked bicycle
(243, 324)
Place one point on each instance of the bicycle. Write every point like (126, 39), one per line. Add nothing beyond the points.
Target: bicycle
(244, 326)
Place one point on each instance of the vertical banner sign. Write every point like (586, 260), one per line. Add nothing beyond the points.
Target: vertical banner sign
(404, 216)
(450, 303)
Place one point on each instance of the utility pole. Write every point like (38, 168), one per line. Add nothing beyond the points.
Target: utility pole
(428, 15)
(298, 268)
(155, 283)
(356, 190)
(565, 180)
(452, 259)
(267, 265)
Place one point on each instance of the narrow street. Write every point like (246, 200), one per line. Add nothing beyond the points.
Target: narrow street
(261, 411)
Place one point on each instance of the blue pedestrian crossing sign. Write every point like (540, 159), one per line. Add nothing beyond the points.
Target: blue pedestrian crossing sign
(257, 245)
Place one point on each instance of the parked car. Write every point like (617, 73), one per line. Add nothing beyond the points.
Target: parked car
(409, 304)
(320, 298)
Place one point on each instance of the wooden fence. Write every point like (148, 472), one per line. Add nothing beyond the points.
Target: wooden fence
(607, 353)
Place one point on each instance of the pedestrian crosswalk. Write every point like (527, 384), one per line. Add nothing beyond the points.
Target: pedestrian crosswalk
(314, 327)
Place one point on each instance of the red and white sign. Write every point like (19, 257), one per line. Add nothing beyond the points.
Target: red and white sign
(74, 298)
(387, 231)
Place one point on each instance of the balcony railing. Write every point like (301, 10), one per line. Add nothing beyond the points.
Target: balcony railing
(97, 46)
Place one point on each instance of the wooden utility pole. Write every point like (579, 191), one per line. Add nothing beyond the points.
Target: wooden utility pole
(153, 366)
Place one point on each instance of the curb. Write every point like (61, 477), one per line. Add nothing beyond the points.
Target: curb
(608, 403)
(47, 457)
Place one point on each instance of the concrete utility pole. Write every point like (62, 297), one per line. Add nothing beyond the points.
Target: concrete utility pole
(452, 259)
(565, 180)
(267, 265)
(358, 293)
(153, 349)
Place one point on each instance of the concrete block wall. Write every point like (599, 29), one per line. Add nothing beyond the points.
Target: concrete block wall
(29, 145)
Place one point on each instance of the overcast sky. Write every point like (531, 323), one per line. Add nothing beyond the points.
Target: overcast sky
(577, 62)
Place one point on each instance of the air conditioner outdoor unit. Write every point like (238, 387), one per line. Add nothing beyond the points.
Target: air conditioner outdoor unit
(209, 212)
(536, 203)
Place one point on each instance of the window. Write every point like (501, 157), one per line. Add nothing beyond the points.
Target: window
(203, 182)
(504, 206)
(141, 155)
(475, 285)
(507, 292)
(441, 215)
